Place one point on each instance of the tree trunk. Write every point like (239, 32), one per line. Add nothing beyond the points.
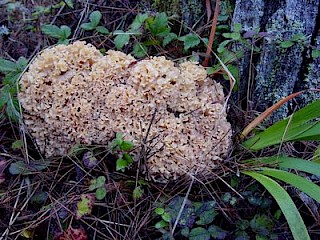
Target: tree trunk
(277, 72)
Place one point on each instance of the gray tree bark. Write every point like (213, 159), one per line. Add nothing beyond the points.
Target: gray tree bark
(277, 72)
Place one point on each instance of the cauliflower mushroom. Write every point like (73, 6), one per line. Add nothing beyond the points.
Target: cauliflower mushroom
(73, 94)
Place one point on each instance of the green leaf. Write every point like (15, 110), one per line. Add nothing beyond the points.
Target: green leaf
(126, 146)
(166, 217)
(158, 25)
(217, 232)
(185, 232)
(161, 224)
(103, 30)
(235, 36)
(139, 50)
(169, 38)
(87, 26)
(100, 181)
(17, 144)
(21, 64)
(101, 193)
(69, 3)
(65, 32)
(20, 167)
(227, 35)
(301, 183)
(138, 21)
(95, 18)
(159, 211)
(121, 164)
(297, 127)
(84, 206)
(316, 156)
(237, 27)
(286, 44)
(121, 39)
(207, 217)
(293, 163)
(7, 66)
(298, 37)
(315, 53)
(190, 40)
(51, 30)
(137, 193)
(199, 233)
(261, 224)
(289, 209)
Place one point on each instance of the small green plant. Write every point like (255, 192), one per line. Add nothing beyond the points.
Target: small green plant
(152, 31)
(195, 221)
(93, 24)
(84, 206)
(122, 148)
(61, 33)
(296, 38)
(302, 125)
(9, 89)
(99, 186)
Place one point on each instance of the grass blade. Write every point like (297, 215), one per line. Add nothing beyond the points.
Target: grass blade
(301, 183)
(297, 127)
(299, 164)
(287, 206)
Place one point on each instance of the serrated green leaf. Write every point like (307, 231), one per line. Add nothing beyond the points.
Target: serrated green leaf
(289, 209)
(199, 233)
(301, 183)
(87, 26)
(51, 30)
(161, 224)
(103, 30)
(286, 44)
(121, 39)
(190, 40)
(207, 217)
(139, 50)
(169, 38)
(95, 18)
(158, 25)
(159, 211)
(84, 206)
(137, 193)
(7, 66)
(101, 193)
(17, 144)
(138, 21)
(217, 232)
(261, 224)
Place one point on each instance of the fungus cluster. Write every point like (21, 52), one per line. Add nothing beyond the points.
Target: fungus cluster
(73, 94)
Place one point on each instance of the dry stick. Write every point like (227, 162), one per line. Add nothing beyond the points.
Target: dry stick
(208, 8)
(267, 113)
(212, 33)
(182, 206)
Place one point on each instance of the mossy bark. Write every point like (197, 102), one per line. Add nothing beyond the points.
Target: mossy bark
(278, 72)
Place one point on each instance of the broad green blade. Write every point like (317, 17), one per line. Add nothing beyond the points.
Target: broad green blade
(287, 206)
(297, 127)
(301, 183)
(299, 164)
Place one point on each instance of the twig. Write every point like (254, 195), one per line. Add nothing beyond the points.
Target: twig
(212, 33)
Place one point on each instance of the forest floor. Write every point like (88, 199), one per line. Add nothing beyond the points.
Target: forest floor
(54, 198)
